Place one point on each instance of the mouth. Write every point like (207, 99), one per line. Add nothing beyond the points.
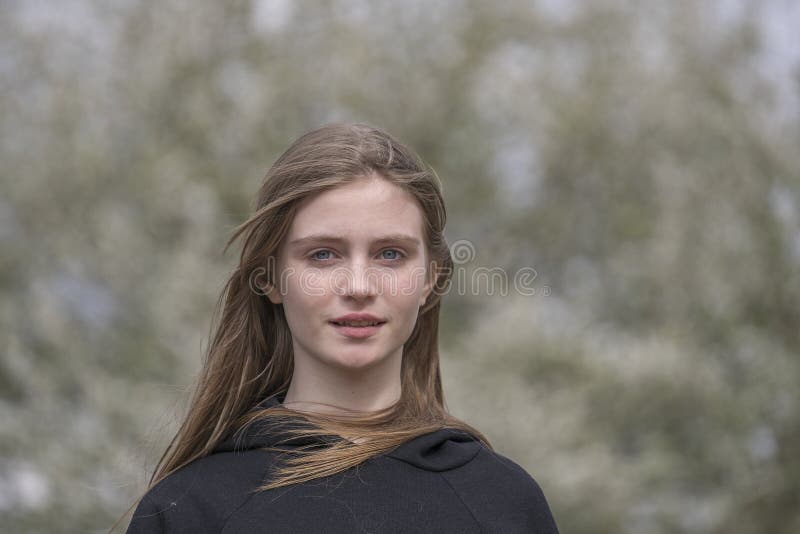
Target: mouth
(357, 329)
(357, 324)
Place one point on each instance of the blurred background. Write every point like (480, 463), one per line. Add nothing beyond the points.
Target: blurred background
(642, 157)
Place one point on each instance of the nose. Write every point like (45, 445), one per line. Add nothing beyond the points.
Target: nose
(358, 282)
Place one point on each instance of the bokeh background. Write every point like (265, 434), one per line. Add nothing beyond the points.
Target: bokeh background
(642, 157)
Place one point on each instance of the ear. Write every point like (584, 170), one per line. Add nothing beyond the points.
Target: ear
(269, 289)
(273, 294)
(428, 287)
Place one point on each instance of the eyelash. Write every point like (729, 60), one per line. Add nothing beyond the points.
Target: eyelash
(311, 257)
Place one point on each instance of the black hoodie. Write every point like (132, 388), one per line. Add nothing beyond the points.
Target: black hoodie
(444, 481)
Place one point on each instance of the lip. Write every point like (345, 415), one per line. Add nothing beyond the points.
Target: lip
(357, 332)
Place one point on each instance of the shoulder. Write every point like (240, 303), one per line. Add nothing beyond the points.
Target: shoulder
(491, 469)
(502, 495)
(511, 472)
(201, 496)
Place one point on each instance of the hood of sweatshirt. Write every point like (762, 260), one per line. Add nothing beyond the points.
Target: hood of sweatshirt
(440, 450)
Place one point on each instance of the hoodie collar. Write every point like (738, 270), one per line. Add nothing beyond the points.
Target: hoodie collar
(440, 450)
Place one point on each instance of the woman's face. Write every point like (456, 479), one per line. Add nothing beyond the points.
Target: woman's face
(355, 249)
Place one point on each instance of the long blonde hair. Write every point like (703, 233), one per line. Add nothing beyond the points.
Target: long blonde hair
(250, 356)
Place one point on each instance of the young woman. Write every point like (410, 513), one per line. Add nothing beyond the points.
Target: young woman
(319, 407)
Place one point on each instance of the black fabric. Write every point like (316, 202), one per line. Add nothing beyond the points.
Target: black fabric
(444, 481)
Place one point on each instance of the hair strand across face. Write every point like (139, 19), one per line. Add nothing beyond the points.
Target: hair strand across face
(250, 356)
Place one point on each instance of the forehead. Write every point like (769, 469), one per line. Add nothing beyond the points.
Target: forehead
(367, 206)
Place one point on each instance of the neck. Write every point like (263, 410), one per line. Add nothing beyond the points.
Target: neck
(323, 388)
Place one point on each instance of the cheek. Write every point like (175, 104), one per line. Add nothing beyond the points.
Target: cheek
(405, 297)
(406, 311)
(410, 283)
(305, 284)
(303, 295)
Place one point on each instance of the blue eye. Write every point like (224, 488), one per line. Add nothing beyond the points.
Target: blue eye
(314, 255)
(324, 255)
(397, 254)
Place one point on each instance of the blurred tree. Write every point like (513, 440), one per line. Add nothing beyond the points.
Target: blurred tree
(636, 155)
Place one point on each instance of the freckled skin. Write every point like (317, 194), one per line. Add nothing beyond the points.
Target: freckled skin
(321, 281)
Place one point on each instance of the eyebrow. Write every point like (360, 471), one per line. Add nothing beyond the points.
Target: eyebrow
(320, 238)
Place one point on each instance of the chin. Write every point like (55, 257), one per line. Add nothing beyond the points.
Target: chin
(357, 360)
